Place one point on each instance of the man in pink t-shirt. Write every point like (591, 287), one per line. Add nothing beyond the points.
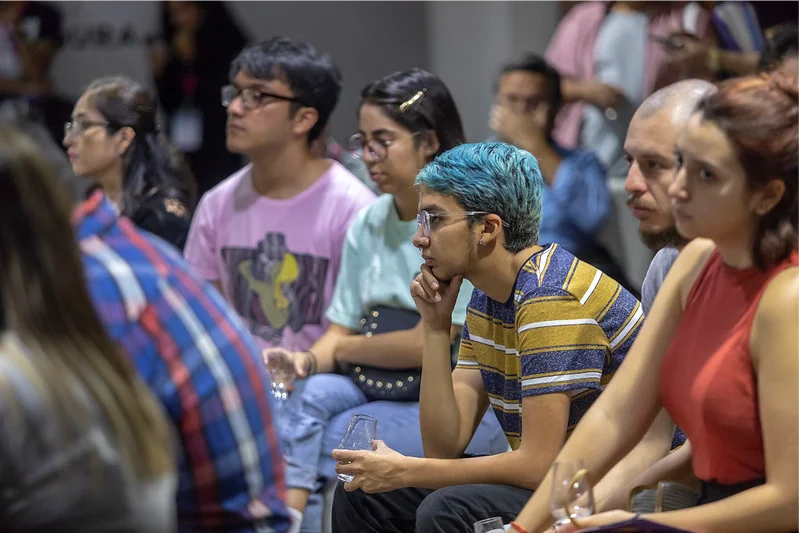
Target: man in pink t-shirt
(270, 236)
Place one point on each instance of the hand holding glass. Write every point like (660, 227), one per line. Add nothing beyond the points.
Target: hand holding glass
(572, 496)
(359, 436)
(281, 366)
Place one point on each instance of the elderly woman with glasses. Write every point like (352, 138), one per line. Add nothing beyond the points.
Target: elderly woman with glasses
(375, 339)
(114, 140)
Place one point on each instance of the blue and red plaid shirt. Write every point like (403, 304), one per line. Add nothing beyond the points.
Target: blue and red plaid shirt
(201, 362)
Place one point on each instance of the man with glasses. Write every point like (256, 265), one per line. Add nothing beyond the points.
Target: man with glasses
(544, 334)
(270, 236)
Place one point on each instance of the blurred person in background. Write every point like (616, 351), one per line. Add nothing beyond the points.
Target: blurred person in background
(113, 139)
(30, 35)
(611, 56)
(190, 65)
(270, 236)
(84, 446)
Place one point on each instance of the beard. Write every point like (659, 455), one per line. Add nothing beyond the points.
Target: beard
(661, 239)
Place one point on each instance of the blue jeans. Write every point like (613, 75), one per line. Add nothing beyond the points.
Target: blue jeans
(314, 419)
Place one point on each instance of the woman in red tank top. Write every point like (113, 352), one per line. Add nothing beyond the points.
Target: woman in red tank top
(720, 348)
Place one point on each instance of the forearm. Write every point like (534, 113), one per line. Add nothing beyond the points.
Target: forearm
(738, 63)
(613, 490)
(439, 416)
(763, 509)
(586, 91)
(616, 442)
(324, 349)
(510, 468)
(675, 466)
(397, 349)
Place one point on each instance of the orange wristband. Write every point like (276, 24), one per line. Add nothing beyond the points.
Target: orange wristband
(518, 528)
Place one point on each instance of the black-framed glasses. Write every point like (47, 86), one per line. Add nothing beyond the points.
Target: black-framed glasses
(427, 220)
(520, 104)
(377, 148)
(252, 98)
(77, 127)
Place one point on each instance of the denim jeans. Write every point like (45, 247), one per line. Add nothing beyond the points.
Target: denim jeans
(313, 420)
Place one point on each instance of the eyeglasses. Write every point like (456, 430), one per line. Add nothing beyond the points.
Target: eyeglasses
(427, 220)
(520, 104)
(78, 127)
(252, 98)
(377, 148)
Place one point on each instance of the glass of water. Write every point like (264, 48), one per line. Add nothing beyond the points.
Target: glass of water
(280, 364)
(572, 496)
(489, 525)
(359, 436)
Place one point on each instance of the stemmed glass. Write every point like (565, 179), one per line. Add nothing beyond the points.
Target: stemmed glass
(572, 496)
(358, 436)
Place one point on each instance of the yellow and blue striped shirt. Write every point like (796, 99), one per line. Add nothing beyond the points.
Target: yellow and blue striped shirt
(566, 328)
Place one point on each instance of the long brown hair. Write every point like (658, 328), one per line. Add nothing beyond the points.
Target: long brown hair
(46, 305)
(760, 116)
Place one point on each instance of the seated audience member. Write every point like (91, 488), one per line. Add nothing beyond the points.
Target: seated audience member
(84, 446)
(113, 139)
(719, 350)
(203, 365)
(270, 236)
(544, 334)
(325, 146)
(576, 201)
(649, 149)
(405, 119)
(610, 57)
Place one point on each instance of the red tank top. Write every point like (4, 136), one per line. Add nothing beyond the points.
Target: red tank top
(707, 381)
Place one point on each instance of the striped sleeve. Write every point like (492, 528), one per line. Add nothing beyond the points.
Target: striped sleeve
(561, 345)
(466, 357)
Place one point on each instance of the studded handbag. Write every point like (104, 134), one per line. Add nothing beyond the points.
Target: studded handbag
(381, 383)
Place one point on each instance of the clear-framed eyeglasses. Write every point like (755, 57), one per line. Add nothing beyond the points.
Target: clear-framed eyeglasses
(375, 147)
(429, 221)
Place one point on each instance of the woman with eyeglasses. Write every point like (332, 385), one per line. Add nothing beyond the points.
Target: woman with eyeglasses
(375, 338)
(84, 446)
(113, 139)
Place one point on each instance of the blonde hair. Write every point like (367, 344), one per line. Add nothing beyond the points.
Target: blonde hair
(45, 300)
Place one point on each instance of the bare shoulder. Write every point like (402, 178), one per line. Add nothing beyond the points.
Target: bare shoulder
(688, 265)
(777, 318)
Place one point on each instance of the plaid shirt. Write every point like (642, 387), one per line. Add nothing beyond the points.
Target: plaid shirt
(203, 365)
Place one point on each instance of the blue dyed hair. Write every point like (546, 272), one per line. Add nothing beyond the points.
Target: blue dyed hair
(497, 178)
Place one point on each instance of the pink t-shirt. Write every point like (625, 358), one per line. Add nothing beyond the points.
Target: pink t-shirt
(277, 260)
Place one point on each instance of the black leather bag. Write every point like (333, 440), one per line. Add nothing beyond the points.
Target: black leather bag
(380, 383)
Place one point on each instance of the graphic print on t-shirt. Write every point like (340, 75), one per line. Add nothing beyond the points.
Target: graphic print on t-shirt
(274, 288)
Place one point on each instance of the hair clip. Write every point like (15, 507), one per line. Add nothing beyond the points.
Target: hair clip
(407, 104)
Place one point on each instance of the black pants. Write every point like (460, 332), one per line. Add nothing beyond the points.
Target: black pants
(448, 510)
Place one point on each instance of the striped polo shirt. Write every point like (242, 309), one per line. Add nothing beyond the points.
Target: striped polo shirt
(566, 328)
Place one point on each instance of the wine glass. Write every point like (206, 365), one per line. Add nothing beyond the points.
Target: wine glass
(359, 436)
(572, 496)
(281, 372)
(489, 525)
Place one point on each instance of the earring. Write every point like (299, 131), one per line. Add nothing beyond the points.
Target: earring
(481, 242)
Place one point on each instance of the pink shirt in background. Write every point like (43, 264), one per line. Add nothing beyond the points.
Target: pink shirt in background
(571, 50)
(277, 260)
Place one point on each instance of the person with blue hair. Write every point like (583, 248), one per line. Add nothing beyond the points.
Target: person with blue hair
(544, 334)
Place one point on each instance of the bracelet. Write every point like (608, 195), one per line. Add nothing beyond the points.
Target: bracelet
(313, 364)
(518, 528)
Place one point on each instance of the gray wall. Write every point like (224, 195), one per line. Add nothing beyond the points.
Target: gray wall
(366, 39)
(465, 43)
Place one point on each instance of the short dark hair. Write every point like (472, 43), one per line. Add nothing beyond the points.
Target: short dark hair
(314, 79)
(433, 110)
(536, 64)
(783, 43)
(759, 114)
